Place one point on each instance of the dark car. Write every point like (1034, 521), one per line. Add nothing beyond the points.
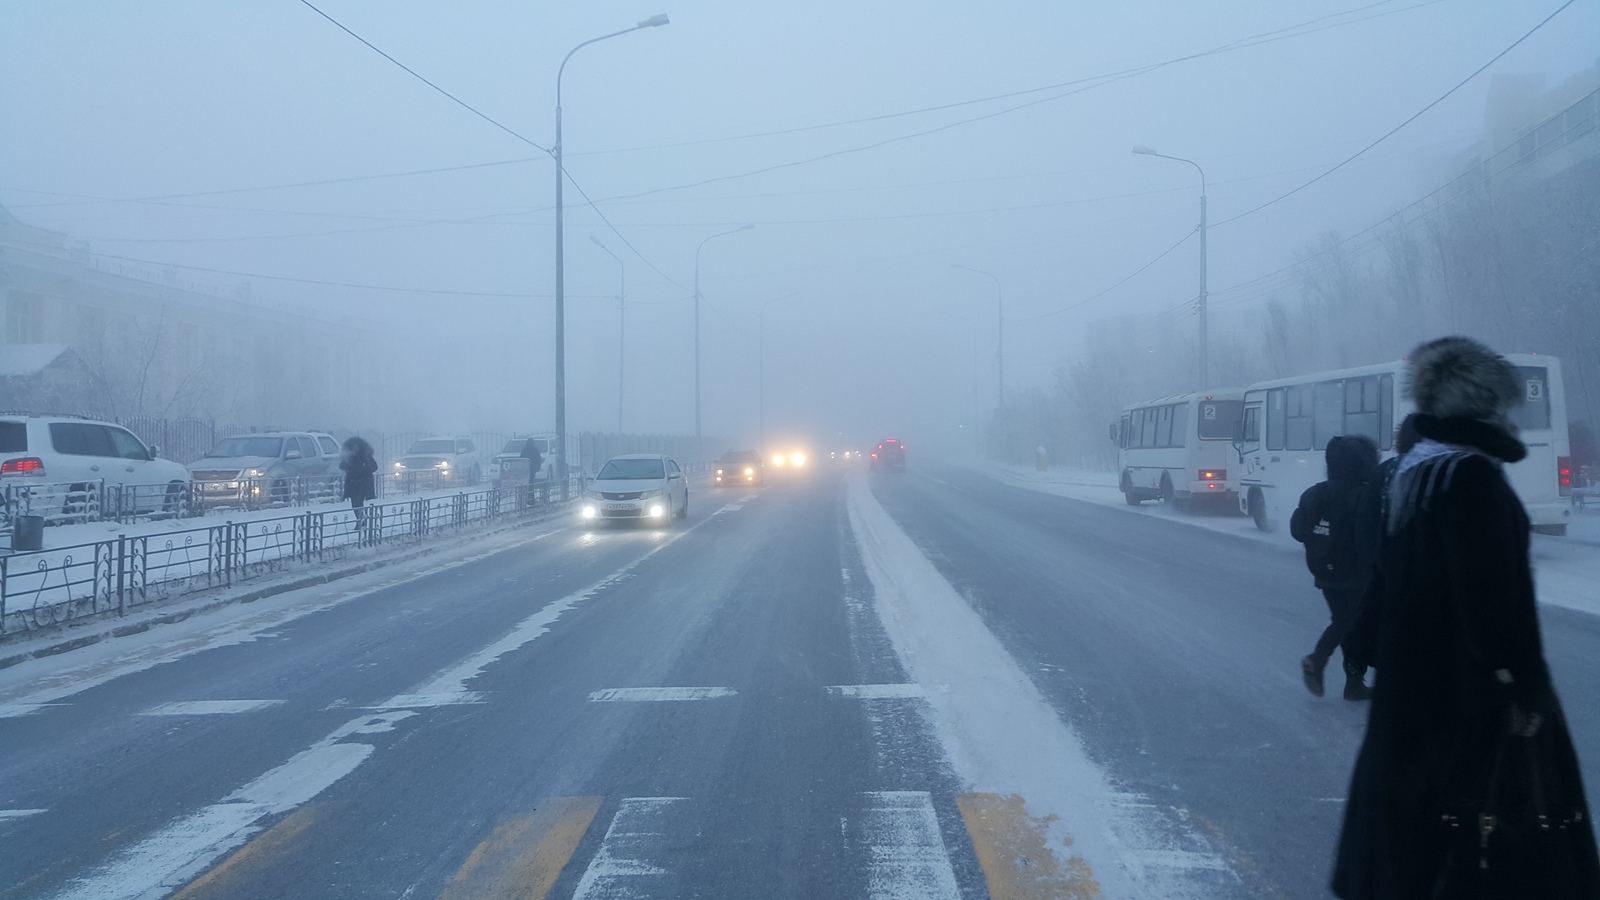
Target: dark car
(739, 467)
(890, 456)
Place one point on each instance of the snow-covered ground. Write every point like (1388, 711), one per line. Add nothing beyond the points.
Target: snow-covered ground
(1567, 569)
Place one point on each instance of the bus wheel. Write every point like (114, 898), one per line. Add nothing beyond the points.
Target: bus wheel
(1128, 495)
(1258, 508)
(1167, 495)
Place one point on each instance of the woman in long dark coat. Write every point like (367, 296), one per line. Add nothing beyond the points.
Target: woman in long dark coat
(360, 467)
(1466, 744)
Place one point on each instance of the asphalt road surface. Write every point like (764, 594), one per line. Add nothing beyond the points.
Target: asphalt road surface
(927, 685)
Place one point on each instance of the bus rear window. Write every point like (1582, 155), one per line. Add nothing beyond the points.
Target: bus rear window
(1219, 419)
(1533, 413)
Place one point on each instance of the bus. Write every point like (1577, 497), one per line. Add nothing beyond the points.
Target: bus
(1287, 424)
(1177, 449)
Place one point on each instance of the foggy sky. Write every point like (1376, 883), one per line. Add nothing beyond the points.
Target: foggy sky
(870, 329)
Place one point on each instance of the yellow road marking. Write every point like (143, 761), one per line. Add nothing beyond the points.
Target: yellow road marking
(525, 854)
(1014, 850)
(253, 856)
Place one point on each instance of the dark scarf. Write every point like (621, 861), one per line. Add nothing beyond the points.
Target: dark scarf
(1486, 437)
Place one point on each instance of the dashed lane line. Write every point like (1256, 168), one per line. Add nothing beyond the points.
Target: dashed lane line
(659, 694)
(209, 707)
(18, 710)
(876, 691)
(6, 814)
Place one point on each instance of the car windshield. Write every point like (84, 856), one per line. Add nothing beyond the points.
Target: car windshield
(444, 445)
(269, 447)
(739, 459)
(631, 469)
(514, 445)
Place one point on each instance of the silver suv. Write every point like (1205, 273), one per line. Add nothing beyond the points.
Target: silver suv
(267, 467)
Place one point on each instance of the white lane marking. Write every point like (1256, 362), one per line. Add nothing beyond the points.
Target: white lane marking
(208, 707)
(174, 855)
(876, 691)
(18, 813)
(906, 856)
(631, 860)
(17, 710)
(426, 701)
(998, 730)
(660, 694)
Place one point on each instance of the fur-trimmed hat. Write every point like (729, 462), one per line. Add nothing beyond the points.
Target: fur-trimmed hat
(1459, 377)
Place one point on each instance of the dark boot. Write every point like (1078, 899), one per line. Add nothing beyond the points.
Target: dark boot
(1311, 671)
(1355, 681)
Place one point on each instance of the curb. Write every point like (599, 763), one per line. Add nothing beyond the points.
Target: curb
(203, 605)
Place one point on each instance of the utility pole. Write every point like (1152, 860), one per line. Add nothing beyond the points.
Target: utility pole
(1205, 343)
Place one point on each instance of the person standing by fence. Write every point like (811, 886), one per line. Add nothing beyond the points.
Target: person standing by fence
(360, 467)
(1467, 783)
(530, 452)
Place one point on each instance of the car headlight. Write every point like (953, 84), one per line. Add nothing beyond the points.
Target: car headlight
(441, 464)
(778, 460)
(746, 471)
(647, 495)
(588, 512)
(798, 459)
(656, 511)
(399, 465)
(719, 471)
(254, 473)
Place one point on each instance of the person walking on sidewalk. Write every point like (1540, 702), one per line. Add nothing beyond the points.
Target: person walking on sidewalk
(1467, 783)
(1337, 520)
(360, 467)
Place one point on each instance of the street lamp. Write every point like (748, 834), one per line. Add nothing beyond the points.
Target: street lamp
(1000, 328)
(622, 324)
(698, 449)
(1205, 371)
(561, 294)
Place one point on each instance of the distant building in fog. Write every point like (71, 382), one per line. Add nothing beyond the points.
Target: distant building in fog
(1533, 131)
(161, 345)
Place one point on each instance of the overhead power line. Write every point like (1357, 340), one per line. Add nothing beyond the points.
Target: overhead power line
(457, 100)
(1414, 116)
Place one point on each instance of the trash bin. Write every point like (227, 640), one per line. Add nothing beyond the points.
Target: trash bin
(27, 533)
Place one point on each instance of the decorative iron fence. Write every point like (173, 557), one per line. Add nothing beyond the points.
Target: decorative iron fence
(120, 574)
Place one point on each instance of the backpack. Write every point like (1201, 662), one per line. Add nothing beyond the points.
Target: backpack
(1333, 542)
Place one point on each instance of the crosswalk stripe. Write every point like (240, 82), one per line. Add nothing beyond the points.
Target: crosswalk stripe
(18, 813)
(631, 861)
(906, 856)
(1013, 849)
(525, 854)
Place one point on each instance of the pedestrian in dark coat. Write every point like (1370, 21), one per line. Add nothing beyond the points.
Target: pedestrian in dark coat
(530, 452)
(1467, 784)
(360, 467)
(1337, 520)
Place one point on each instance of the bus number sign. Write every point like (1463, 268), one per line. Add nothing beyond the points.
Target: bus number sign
(1535, 391)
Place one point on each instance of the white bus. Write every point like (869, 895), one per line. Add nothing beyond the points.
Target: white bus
(1178, 449)
(1287, 424)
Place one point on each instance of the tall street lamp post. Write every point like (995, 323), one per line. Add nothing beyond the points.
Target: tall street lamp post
(1000, 329)
(622, 326)
(1205, 370)
(561, 294)
(699, 449)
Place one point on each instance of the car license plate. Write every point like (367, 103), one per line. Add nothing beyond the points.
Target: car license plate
(619, 506)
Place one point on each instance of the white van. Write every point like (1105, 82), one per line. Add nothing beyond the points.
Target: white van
(55, 456)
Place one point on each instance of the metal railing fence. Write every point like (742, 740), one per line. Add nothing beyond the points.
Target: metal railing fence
(118, 575)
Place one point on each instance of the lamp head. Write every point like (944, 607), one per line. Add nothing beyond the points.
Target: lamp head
(1142, 150)
(746, 227)
(597, 242)
(654, 21)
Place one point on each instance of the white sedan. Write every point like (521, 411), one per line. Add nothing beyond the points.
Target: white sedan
(635, 488)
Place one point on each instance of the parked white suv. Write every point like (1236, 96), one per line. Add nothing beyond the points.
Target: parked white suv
(58, 456)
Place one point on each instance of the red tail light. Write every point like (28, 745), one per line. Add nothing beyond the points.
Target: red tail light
(1213, 474)
(1564, 475)
(28, 465)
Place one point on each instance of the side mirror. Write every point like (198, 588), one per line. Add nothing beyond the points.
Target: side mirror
(155, 450)
(292, 454)
(1113, 432)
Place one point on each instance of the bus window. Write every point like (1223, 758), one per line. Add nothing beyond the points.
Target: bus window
(1328, 416)
(1533, 413)
(1164, 427)
(1275, 419)
(1180, 425)
(1361, 407)
(1297, 417)
(1250, 429)
(1385, 412)
(1219, 419)
(1122, 434)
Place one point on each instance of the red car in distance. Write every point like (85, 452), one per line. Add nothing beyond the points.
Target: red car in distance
(890, 456)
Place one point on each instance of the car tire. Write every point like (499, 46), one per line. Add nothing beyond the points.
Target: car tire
(683, 511)
(173, 501)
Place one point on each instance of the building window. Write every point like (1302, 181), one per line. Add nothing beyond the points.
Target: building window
(25, 318)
